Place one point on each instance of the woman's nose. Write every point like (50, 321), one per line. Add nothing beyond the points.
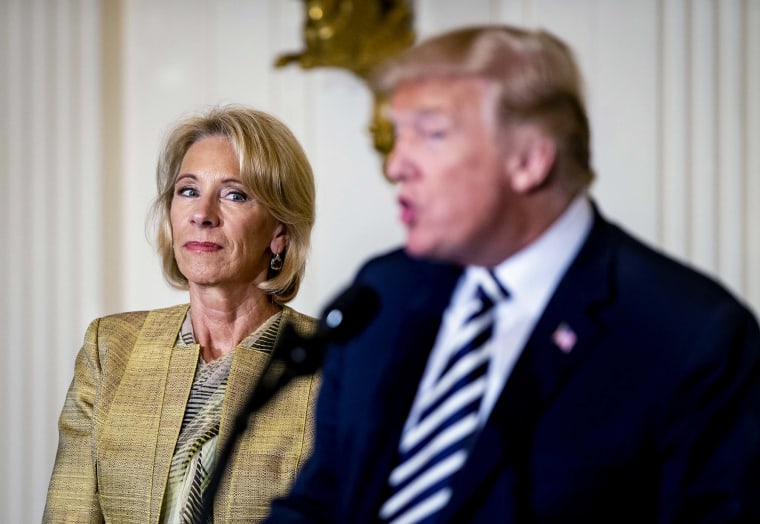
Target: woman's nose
(205, 213)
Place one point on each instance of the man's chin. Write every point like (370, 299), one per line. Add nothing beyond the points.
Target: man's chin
(416, 249)
(424, 252)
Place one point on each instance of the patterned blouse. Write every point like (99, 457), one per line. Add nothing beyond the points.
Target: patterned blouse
(195, 454)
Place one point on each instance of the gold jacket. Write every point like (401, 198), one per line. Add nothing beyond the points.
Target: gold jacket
(122, 417)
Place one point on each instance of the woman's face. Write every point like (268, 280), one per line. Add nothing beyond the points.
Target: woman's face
(221, 235)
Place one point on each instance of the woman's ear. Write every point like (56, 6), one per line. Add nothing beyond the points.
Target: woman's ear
(279, 239)
(530, 158)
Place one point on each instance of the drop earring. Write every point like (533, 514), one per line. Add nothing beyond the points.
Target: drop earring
(276, 263)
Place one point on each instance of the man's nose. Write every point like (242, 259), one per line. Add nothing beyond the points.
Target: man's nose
(397, 164)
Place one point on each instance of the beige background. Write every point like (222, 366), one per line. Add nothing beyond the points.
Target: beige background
(89, 87)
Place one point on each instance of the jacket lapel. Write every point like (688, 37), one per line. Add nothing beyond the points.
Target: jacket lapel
(564, 336)
(145, 416)
(400, 375)
(180, 370)
(247, 368)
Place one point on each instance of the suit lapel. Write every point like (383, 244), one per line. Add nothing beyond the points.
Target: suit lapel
(145, 416)
(247, 368)
(564, 336)
(179, 373)
(408, 353)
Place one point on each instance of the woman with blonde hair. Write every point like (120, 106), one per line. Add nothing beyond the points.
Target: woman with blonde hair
(155, 393)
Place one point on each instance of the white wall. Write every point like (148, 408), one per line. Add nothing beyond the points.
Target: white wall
(89, 87)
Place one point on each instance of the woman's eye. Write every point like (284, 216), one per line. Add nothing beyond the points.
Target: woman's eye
(236, 196)
(187, 191)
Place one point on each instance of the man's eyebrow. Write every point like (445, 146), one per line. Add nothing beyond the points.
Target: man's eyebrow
(423, 114)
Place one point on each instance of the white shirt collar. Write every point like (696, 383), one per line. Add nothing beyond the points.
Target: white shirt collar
(532, 274)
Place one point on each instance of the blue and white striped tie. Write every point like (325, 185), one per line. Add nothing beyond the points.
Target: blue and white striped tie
(436, 447)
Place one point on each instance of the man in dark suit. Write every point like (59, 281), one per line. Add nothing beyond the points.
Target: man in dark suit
(530, 361)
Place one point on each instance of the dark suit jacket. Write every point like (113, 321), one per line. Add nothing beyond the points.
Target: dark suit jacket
(653, 416)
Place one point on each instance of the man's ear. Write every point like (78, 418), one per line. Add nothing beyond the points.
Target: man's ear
(279, 239)
(530, 158)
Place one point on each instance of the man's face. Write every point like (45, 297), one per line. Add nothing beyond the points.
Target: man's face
(453, 188)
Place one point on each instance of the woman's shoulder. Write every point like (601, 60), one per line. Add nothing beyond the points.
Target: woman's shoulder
(115, 336)
(304, 324)
(141, 315)
(133, 321)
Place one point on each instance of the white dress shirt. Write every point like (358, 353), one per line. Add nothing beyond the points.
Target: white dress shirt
(530, 276)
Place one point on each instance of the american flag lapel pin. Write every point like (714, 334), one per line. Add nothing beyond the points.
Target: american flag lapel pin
(564, 337)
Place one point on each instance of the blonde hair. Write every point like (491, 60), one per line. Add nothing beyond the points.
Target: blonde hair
(273, 166)
(536, 76)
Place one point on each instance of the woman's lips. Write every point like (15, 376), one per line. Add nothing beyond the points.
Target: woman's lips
(202, 247)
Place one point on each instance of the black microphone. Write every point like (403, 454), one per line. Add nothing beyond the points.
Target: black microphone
(347, 315)
(341, 320)
(295, 355)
